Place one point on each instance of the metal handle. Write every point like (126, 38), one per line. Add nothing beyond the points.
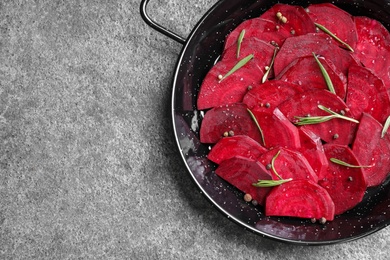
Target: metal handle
(157, 26)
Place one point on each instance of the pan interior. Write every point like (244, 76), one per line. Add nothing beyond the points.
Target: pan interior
(199, 54)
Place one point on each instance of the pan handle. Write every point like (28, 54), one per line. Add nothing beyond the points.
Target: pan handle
(157, 26)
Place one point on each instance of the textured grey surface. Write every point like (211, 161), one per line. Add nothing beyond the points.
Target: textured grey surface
(88, 164)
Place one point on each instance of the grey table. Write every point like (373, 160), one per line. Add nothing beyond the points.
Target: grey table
(88, 163)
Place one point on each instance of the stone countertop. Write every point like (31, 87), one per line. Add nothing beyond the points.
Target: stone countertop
(89, 168)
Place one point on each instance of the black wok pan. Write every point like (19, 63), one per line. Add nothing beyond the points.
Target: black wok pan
(200, 51)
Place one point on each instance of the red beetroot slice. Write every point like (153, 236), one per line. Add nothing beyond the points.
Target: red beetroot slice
(301, 199)
(214, 92)
(306, 72)
(262, 29)
(371, 30)
(238, 145)
(262, 52)
(304, 45)
(242, 172)
(336, 20)
(231, 117)
(298, 21)
(270, 94)
(367, 93)
(288, 164)
(313, 150)
(372, 150)
(303, 104)
(277, 129)
(373, 46)
(346, 185)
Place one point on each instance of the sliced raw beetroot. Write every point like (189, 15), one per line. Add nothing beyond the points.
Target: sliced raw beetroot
(297, 20)
(336, 20)
(242, 172)
(372, 150)
(277, 129)
(226, 118)
(270, 94)
(238, 145)
(262, 52)
(214, 92)
(370, 30)
(300, 198)
(313, 150)
(288, 164)
(346, 185)
(262, 29)
(373, 47)
(367, 93)
(304, 45)
(306, 72)
(294, 90)
(303, 104)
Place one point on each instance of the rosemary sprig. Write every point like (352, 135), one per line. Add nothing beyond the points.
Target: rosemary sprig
(265, 76)
(310, 120)
(236, 67)
(337, 161)
(273, 165)
(324, 29)
(270, 183)
(239, 41)
(385, 127)
(257, 124)
(325, 74)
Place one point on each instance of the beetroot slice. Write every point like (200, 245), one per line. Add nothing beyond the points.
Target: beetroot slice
(262, 29)
(214, 92)
(222, 119)
(367, 93)
(371, 30)
(373, 47)
(313, 150)
(300, 198)
(306, 72)
(298, 21)
(346, 185)
(303, 104)
(242, 172)
(277, 129)
(304, 45)
(288, 164)
(270, 94)
(261, 51)
(336, 20)
(371, 149)
(238, 145)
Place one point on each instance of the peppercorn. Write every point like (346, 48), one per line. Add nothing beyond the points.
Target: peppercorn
(247, 197)
(322, 220)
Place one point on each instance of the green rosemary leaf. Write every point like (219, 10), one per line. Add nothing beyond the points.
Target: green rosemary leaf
(273, 165)
(239, 41)
(325, 75)
(338, 115)
(236, 67)
(337, 161)
(270, 183)
(310, 120)
(385, 127)
(265, 76)
(324, 29)
(257, 124)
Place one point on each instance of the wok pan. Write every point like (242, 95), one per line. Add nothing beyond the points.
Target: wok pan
(200, 51)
